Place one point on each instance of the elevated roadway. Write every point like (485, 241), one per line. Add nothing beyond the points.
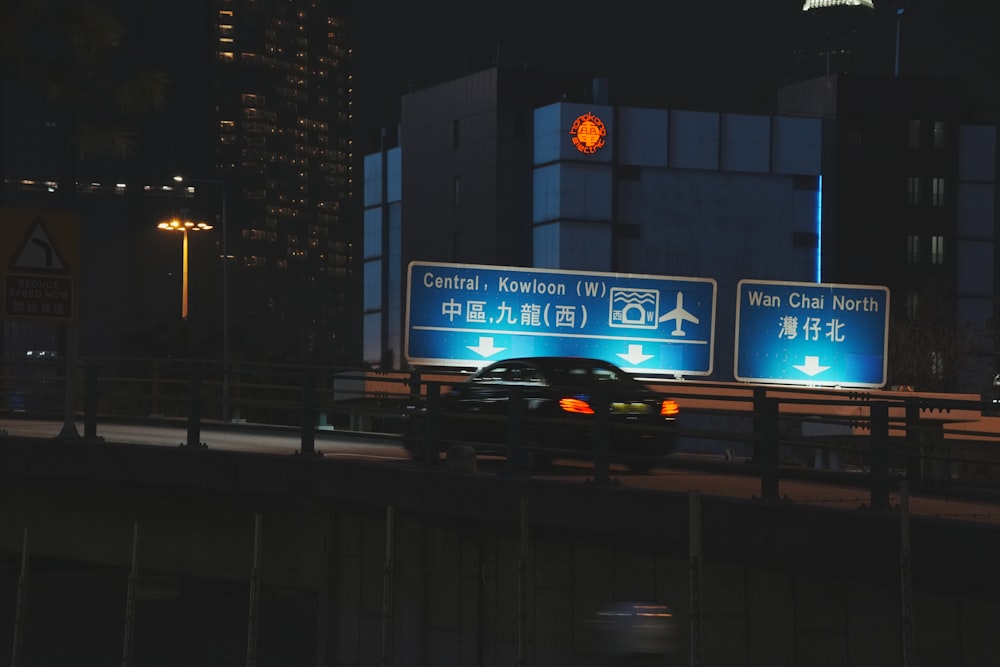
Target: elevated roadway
(362, 546)
(709, 475)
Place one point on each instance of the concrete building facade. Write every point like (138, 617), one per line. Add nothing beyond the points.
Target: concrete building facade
(822, 191)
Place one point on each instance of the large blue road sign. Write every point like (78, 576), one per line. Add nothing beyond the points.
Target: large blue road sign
(471, 315)
(811, 333)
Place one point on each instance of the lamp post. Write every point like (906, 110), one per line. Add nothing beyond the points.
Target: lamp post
(184, 226)
(225, 291)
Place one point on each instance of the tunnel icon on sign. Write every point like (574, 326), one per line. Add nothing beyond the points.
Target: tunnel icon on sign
(633, 308)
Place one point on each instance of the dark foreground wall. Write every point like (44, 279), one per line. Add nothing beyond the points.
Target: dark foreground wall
(370, 564)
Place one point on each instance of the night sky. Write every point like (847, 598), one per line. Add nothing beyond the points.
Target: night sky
(716, 54)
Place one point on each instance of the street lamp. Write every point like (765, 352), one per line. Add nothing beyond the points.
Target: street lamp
(184, 226)
(225, 291)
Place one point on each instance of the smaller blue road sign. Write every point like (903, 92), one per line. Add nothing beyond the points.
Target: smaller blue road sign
(471, 315)
(812, 334)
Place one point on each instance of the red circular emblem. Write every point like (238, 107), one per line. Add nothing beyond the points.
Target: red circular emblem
(588, 133)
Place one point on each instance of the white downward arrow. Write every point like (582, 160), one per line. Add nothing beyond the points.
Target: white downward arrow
(485, 347)
(635, 355)
(811, 367)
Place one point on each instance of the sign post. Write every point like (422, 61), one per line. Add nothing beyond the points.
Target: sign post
(470, 315)
(40, 282)
(811, 334)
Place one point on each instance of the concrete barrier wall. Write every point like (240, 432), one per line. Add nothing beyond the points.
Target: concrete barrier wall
(468, 579)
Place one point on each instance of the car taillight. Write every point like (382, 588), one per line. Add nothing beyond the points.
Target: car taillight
(669, 408)
(576, 405)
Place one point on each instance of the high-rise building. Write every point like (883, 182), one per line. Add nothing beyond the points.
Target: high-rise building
(279, 128)
(257, 120)
(835, 37)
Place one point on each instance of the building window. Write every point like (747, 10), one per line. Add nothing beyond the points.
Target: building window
(912, 248)
(913, 190)
(937, 364)
(937, 191)
(937, 250)
(454, 133)
(911, 305)
(914, 134)
(940, 134)
(458, 187)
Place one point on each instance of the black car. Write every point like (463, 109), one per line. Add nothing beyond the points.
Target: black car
(555, 416)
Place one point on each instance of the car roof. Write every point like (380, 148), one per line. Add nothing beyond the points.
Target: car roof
(550, 361)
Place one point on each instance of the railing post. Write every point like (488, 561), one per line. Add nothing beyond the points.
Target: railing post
(914, 440)
(308, 427)
(602, 436)
(21, 604)
(234, 393)
(154, 391)
(388, 571)
(255, 581)
(766, 444)
(414, 384)
(695, 566)
(90, 401)
(516, 428)
(879, 454)
(432, 436)
(905, 575)
(194, 409)
(133, 576)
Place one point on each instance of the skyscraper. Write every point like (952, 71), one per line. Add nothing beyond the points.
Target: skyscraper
(280, 125)
(835, 37)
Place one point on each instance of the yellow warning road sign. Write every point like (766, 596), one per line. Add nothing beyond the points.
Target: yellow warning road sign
(39, 254)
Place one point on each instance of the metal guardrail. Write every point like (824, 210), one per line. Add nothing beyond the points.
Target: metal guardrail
(943, 441)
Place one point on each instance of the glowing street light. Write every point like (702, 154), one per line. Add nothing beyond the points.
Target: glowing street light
(225, 290)
(184, 226)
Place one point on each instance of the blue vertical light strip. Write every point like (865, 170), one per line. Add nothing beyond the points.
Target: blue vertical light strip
(819, 230)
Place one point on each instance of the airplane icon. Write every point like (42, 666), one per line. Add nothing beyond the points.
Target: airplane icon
(679, 315)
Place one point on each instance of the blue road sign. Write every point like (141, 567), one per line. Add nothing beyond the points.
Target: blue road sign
(471, 315)
(811, 333)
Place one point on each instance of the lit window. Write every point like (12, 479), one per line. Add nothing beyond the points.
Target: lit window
(940, 134)
(912, 248)
(817, 4)
(937, 191)
(937, 250)
(937, 364)
(913, 190)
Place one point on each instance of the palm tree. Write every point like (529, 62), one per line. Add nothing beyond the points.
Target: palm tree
(67, 52)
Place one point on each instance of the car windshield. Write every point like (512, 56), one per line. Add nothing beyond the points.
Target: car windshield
(583, 374)
(556, 372)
